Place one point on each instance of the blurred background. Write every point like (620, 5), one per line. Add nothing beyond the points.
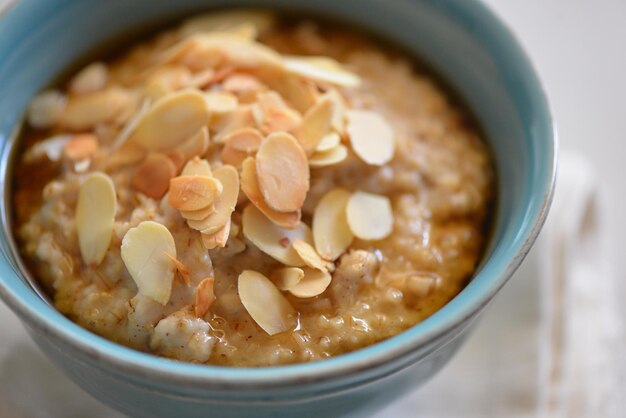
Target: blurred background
(558, 327)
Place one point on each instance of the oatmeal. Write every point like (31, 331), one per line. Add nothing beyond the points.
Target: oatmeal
(248, 191)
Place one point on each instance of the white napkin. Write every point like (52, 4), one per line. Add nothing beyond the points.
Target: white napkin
(549, 346)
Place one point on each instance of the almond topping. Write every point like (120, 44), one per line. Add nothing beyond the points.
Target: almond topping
(287, 277)
(224, 204)
(177, 158)
(198, 215)
(242, 83)
(227, 21)
(182, 269)
(250, 187)
(308, 254)
(331, 232)
(268, 237)
(331, 157)
(193, 192)
(328, 142)
(240, 144)
(322, 69)
(314, 283)
(218, 238)
(171, 120)
(80, 147)
(221, 102)
(231, 121)
(369, 216)
(91, 78)
(197, 145)
(197, 167)
(371, 137)
(95, 214)
(84, 111)
(46, 109)
(146, 252)
(265, 304)
(205, 296)
(153, 176)
(315, 125)
(283, 172)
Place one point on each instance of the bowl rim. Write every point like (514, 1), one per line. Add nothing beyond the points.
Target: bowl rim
(476, 294)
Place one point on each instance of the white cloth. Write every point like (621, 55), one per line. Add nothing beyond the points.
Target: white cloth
(550, 345)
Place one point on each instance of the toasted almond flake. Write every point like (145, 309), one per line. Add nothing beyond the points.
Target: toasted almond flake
(267, 236)
(315, 124)
(226, 21)
(95, 214)
(198, 215)
(331, 232)
(309, 255)
(218, 238)
(322, 69)
(224, 204)
(171, 120)
(240, 144)
(371, 137)
(331, 157)
(130, 126)
(166, 80)
(205, 296)
(314, 283)
(182, 269)
(287, 277)
(153, 175)
(126, 154)
(80, 147)
(328, 142)
(369, 215)
(197, 167)
(221, 102)
(196, 145)
(51, 147)
(283, 172)
(229, 122)
(193, 192)
(46, 109)
(146, 251)
(250, 187)
(92, 78)
(300, 93)
(280, 119)
(339, 110)
(242, 84)
(177, 158)
(265, 304)
(84, 111)
(201, 79)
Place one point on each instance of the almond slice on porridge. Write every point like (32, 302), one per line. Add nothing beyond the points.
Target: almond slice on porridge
(204, 297)
(313, 283)
(80, 147)
(195, 146)
(371, 137)
(240, 144)
(287, 277)
(193, 192)
(370, 216)
(308, 254)
(265, 303)
(315, 125)
(95, 215)
(322, 69)
(217, 238)
(331, 232)
(153, 175)
(330, 157)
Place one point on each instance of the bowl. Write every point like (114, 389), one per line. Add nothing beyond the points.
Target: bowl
(461, 39)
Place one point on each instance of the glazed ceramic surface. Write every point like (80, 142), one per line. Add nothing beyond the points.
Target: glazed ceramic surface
(462, 41)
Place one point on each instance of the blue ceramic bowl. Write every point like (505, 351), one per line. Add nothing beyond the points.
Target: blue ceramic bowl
(461, 39)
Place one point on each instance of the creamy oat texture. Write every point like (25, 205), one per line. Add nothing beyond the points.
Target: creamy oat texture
(213, 196)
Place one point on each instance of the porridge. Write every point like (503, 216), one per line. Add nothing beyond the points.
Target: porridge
(248, 191)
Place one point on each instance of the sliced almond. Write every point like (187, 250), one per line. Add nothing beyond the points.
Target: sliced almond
(242, 84)
(250, 187)
(328, 142)
(205, 296)
(287, 277)
(322, 69)
(331, 232)
(272, 239)
(227, 20)
(240, 144)
(52, 148)
(166, 80)
(80, 147)
(218, 238)
(229, 122)
(197, 167)
(371, 137)
(146, 251)
(182, 269)
(265, 304)
(369, 216)
(331, 157)
(308, 254)
(193, 192)
(95, 214)
(92, 78)
(198, 215)
(153, 175)
(224, 205)
(314, 283)
(46, 109)
(171, 120)
(84, 111)
(300, 93)
(177, 158)
(195, 146)
(280, 119)
(221, 102)
(127, 154)
(283, 172)
(315, 125)
(201, 79)
(339, 110)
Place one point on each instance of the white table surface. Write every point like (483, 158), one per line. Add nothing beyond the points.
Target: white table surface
(578, 48)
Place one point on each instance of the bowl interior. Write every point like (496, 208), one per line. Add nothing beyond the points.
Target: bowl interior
(462, 41)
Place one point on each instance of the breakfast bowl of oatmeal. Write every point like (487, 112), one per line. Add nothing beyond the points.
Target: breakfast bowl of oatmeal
(291, 210)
